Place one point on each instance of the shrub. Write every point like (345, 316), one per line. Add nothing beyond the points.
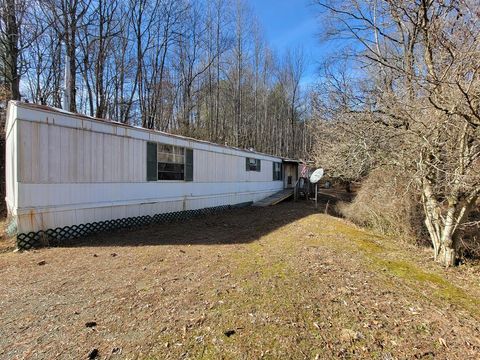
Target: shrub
(387, 202)
(469, 234)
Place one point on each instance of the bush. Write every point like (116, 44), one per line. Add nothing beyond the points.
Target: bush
(388, 203)
(469, 235)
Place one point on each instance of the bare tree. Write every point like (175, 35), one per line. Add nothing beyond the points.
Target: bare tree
(19, 27)
(10, 13)
(44, 60)
(291, 74)
(421, 83)
(192, 67)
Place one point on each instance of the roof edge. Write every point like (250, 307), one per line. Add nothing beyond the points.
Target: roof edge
(50, 109)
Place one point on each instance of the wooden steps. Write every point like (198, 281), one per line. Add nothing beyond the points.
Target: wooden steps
(275, 198)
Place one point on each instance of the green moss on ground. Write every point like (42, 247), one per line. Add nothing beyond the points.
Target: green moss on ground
(379, 250)
(271, 304)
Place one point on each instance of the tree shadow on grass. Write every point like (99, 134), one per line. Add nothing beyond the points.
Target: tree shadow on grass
(235, 226)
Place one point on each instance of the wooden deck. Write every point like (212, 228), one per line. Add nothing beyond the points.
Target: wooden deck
(275, 198)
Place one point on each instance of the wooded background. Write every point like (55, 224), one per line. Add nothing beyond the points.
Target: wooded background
(197, 68)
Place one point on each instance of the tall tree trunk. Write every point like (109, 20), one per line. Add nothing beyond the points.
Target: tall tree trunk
(12, 76)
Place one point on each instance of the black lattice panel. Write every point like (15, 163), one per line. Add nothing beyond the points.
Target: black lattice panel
(54, 237)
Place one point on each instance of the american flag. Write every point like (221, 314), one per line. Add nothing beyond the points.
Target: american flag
(304, 171)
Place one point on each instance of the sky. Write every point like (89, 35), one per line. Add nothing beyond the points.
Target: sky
(292, 23)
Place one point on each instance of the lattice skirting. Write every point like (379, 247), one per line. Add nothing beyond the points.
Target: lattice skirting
(54, 237)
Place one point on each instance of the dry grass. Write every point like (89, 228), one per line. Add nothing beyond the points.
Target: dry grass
(7, 243)
(284, 282)
(386, 204)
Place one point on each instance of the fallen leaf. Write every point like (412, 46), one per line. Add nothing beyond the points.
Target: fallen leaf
(442, 342)
(350, 335)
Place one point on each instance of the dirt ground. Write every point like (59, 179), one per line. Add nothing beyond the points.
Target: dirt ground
(284, 282)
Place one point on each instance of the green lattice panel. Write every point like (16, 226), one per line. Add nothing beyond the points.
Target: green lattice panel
(54, 237)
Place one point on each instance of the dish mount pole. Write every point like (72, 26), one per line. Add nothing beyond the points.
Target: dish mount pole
(314, 178)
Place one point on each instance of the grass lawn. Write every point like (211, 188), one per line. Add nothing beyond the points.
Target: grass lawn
(283, 282)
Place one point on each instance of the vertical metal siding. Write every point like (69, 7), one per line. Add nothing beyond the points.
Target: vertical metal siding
(71, 175)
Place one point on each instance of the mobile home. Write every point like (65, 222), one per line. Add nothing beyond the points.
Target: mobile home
(69, 175)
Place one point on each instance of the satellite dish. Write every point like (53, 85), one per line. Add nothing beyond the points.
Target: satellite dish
(316, 176)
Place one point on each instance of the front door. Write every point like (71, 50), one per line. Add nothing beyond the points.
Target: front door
(290, 175)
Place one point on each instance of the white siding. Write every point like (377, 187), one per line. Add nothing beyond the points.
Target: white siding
(11, 156)
(54, 154)
(74, 170)
(213, 166)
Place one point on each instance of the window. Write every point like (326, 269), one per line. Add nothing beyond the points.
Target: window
(277, 171)
(252, 164)
(169, 162)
